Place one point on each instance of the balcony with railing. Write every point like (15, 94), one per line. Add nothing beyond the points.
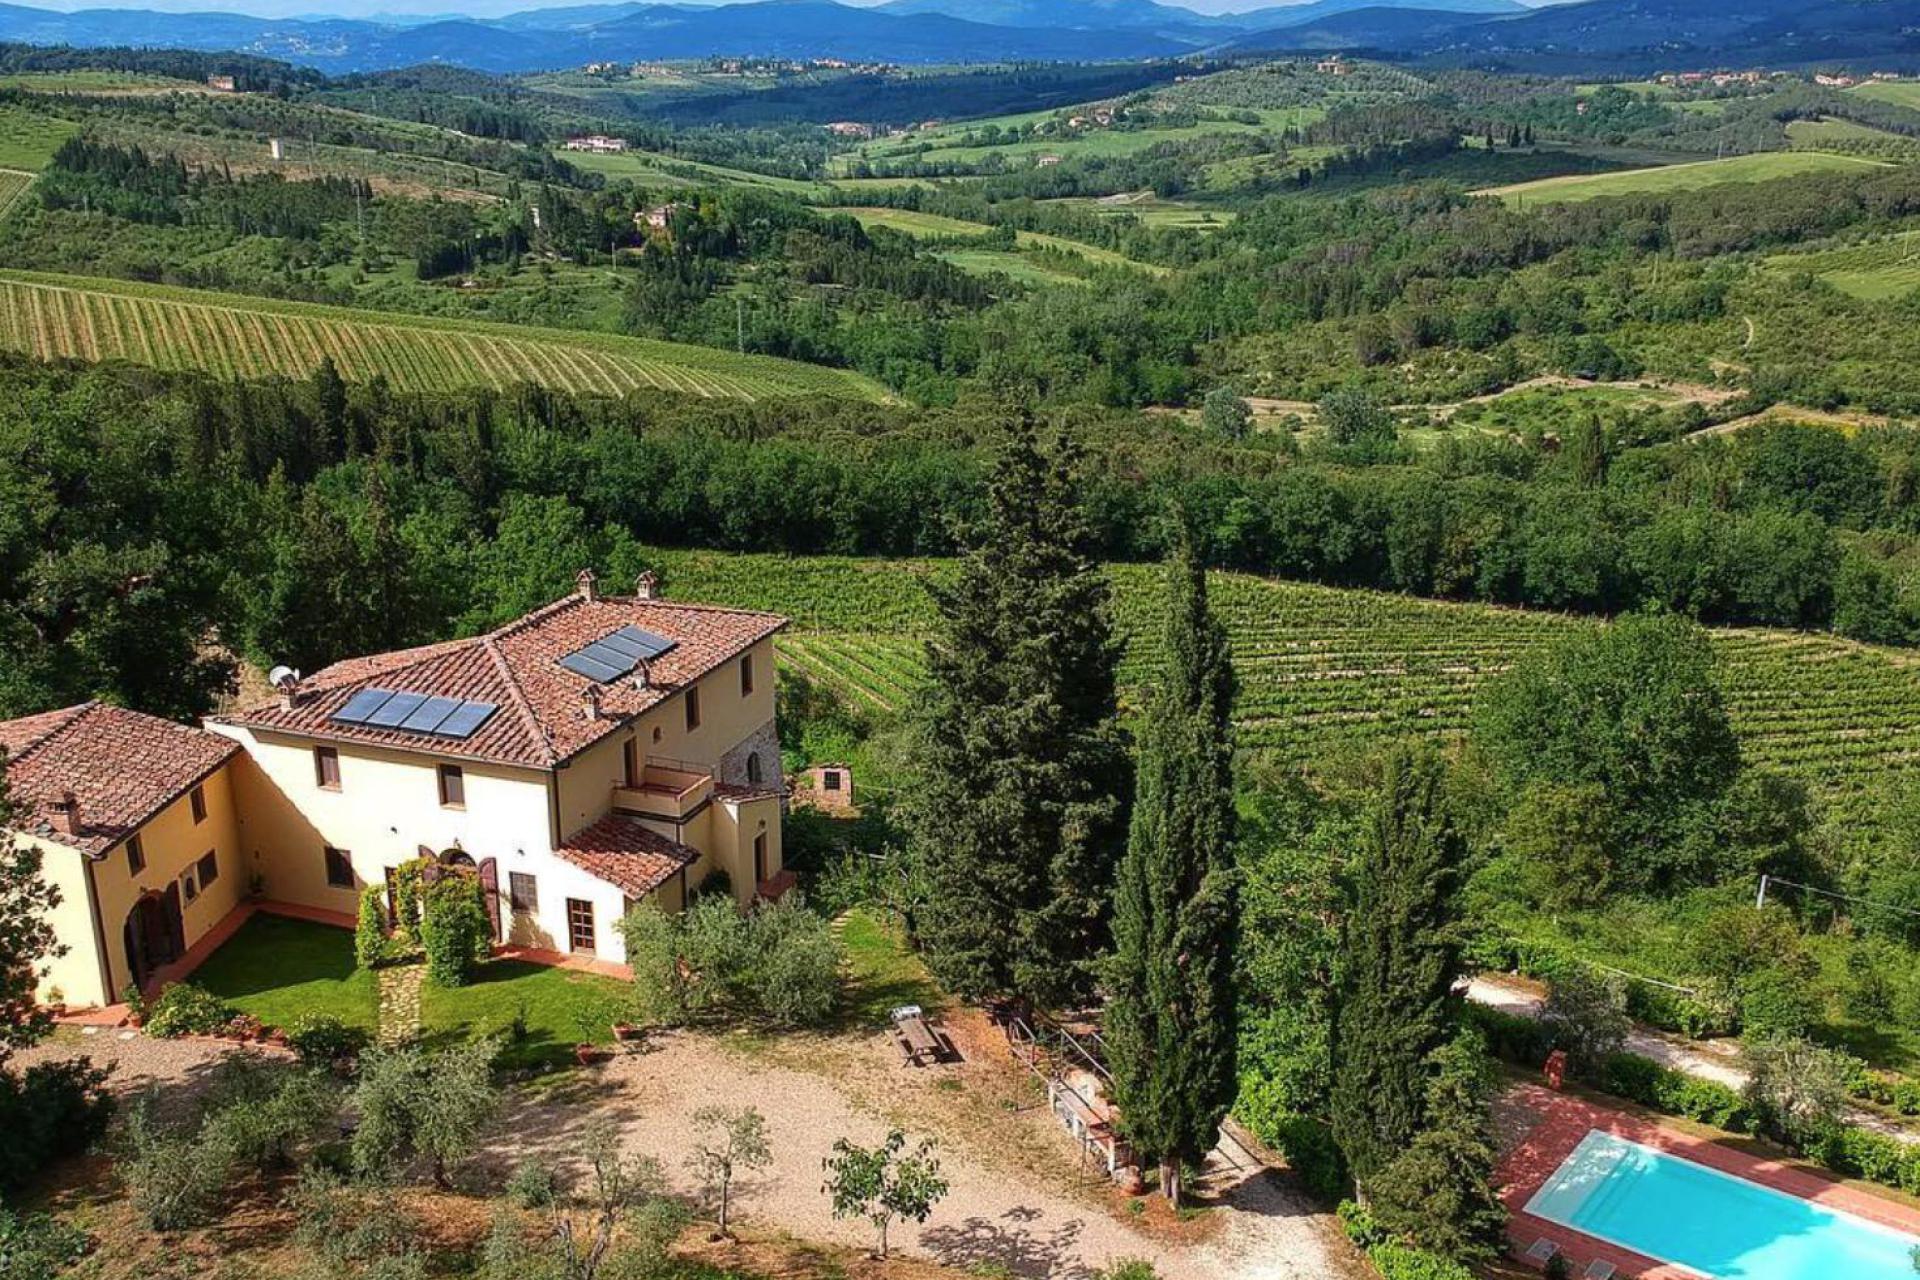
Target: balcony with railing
(668, 792)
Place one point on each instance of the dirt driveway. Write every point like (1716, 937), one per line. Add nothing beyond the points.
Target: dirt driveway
(1018, 1200)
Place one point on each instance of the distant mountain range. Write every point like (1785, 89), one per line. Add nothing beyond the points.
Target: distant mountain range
(1622, 35)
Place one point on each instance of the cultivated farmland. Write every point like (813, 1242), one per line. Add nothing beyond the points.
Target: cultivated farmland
(935, 226)
(1679, 177)
(1876, 270)
(13, 185)
(232, 336)
(1326, 670)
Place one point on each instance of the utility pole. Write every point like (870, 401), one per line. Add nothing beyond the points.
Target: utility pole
(740, 323)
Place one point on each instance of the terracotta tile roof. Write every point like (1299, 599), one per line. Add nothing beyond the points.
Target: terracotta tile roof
(628, 856)
(541, 719)
(740, 794)
(123, 767)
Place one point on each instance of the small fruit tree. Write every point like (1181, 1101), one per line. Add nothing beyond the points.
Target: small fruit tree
(884, 1183)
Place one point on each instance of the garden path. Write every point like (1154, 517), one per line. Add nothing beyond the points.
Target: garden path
(400, 1002)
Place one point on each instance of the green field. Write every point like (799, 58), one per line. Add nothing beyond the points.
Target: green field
(1015, 266)
(1152, 210)
(1679, 177)
(651, 167)
(13, 185)
(122, 83)
(1325, 670)
(29, 139)
(1902, 93)
(1875, 271)
(1827, 132)
(913, 223)
(947, 144)
(233, 336)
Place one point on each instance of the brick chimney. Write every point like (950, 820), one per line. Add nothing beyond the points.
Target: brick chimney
(590, 702)
(585, 580)
(648, 588)
(64, 813)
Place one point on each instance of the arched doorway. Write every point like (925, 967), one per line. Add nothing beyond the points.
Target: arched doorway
(154, 934)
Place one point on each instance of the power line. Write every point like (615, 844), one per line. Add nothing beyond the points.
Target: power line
(1766, 880)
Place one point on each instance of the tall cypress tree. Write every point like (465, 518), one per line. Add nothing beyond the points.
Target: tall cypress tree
(1399, 957)
(1018, 812)
(1170, 1025)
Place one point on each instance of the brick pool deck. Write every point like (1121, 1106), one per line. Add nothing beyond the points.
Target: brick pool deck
(1557, 1124)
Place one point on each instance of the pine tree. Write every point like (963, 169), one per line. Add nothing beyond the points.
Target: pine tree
(1399, 957)
(1439, 1193)
(1171, 1026)
(1017, 817)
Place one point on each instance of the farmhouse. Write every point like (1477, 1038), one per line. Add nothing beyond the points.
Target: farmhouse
(598, 143)
(222, 84)
(598, 752)
(850, 129)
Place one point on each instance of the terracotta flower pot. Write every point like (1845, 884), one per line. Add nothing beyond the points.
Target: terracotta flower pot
(587, 1054)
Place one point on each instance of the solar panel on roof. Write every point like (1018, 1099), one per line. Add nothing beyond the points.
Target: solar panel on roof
(396, 709)
(462, 723)
(361, 705)
(613, 656)
(592, 668)
(428, 716)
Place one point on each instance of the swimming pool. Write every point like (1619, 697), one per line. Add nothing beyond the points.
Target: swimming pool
(1676, 1211)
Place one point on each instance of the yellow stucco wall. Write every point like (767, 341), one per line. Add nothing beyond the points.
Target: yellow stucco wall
(173, 844)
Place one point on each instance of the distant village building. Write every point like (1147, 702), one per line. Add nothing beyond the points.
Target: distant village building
(222, 84)
(1334, 65)
(1047, 161)
(276, 148)
(658, 218)
(1835, 82)
(850, 129)
(598, 143)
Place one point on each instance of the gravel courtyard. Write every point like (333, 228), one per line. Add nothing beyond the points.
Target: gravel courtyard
(1017, 1199)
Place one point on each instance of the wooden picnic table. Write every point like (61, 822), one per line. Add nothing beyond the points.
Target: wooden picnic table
(918, 1040)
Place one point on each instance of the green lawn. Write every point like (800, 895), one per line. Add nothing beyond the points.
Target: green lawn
(560, 1007)
(1680, 177)
(29, 139)
(277, 969)
(883, 973)
(1016, 267)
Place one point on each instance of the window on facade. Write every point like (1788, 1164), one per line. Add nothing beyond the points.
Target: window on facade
(760, 857)
(580, 924)
(746, 675)
(198, 799)
(326, 767)
(830, 779)
(523, 894)
(693, 706)
(631, 762)
(339, 868)
(209, 868)
(188, 886)
(136, 856)
(453, 786)
(753, 768)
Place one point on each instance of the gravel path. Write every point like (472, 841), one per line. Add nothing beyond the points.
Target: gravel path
(180, 1068)
(1024, 1219)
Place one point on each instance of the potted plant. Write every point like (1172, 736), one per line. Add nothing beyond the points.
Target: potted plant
(56, 1002)
(136, 1005)
(589, 1021)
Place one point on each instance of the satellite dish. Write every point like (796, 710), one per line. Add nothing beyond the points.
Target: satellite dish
(281, 677)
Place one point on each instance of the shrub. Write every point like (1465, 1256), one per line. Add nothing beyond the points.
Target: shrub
(265, 1114)
(1797, 1090)
(533, 1184)
(1309, 1149)
(1587, 1015)
(778, 963)
(186, 1010)
(795, 961)
(174, 1178)
(371, 947)
(419, 1105)
(1129, 1269)
(358, 1231)
(1395, 1261)
(1777, 1002)
(454, 929)
(47, 1112)
(37, 1247)
(322, 1040)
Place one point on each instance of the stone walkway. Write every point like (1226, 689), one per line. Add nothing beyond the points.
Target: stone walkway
(400, 1002)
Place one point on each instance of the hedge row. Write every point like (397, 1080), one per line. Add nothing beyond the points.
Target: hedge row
(1846, 1149)
(1393, 1260)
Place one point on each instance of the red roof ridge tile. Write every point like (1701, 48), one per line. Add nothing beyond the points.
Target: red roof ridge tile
(521, 706)
(58, 722)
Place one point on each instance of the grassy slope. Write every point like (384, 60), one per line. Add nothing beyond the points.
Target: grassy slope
(649, 167)
(29, 139)
(232, 334)
(1326, 670)
(914, 223)
(1876, 271)
(1680, 177)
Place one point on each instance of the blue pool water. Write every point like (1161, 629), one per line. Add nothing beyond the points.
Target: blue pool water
(1725, 1227)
